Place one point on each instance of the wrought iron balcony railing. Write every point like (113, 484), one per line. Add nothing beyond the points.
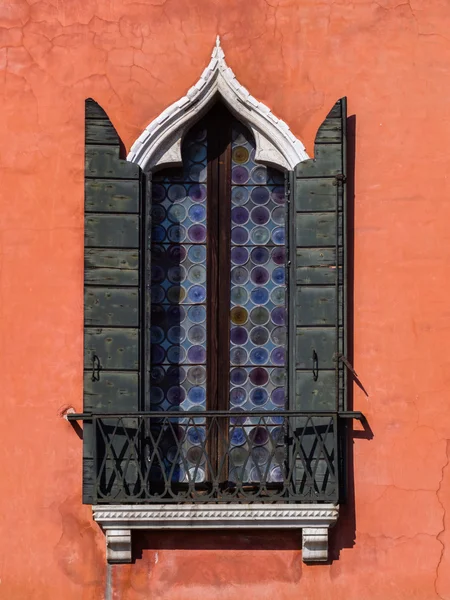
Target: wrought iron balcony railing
(233, 457)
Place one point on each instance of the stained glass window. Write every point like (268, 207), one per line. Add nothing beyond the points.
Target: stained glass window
(187, 309)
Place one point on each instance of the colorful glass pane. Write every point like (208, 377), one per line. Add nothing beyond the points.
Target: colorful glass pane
(178, 300)
(258, 308)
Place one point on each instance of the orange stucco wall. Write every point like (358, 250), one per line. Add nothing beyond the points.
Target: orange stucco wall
(392, 60)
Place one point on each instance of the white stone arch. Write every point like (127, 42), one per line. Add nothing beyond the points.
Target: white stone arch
(159, 145)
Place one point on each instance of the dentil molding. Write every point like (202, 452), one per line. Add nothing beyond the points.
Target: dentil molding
(160, 143)
(119, 520)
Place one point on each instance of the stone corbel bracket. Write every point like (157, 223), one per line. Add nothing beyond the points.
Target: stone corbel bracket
(119, 520)
(159, 145)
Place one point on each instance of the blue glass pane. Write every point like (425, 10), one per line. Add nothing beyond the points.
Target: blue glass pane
(178, 300)
(258, 306)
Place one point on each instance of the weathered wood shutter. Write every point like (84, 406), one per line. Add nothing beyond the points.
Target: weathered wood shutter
(112, 281)
(318, 302)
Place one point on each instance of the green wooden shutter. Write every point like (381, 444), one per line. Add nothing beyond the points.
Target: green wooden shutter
(113, 197)
(318, 301)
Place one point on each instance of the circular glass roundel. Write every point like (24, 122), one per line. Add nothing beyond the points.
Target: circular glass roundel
(259, 174)
(259, 376)
(176, 193)
(260, 215)
(197, 394)
(157, 375)
(197, 233)
(278, 236)
(278, 215)
(260, 275)
(278, 315)
(239, 175)
(197, 314)
(238, 315)
(238, 356)
(197, 334)
(176, 334)
(197, 294)
(197, 254)
(238, 376)
(176, 394)
(176, 375)
(197, 274)
(197, 192)
(176, 253)
(158, 214)
(238, 335)
(197, 213)
(197, 152)
(239, 196)
(278, 377)
(260, 195)
(260, 255)
(259, 315)
(196, 354)
(238, 396)
(176, 213)
(176, 233)
(175, 354)
(239, 215)
(239, 295)
(278, 397)
(259, 356)
(259, 436)
(259, 335)
(278, 276)
(260, 235)
(176, 314)
(196, 375)
(278, 195)
(240, 155)
(279, 255)
(278, 295)
(239, 255)
(239, 235)
(196, 435)
(259, 295)
(239, 275)
(278, 356)
(158, 193)
(156, 395)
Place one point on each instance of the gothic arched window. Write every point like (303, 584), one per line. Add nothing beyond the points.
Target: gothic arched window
(218, 298)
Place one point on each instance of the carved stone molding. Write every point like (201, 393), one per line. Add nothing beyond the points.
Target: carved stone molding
(314, 519)
(160, 143)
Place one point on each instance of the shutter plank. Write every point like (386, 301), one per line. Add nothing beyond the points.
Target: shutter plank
(112, 231)
(322, 340)
(103, 195)
(111, 267)
(103, 161)
(116, 348)
(316, 194)
(315, 229)
(112, 392)
(110, 306)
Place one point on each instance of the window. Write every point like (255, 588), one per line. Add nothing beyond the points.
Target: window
(218, 305)
(215, 321)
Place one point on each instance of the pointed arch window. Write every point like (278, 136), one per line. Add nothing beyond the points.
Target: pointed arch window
(215, 320)
(218, 297)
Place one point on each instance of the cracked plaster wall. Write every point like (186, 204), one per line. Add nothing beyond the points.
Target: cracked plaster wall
(392, 60)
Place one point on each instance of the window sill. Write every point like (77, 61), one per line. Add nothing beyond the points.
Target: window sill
(119, 520)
